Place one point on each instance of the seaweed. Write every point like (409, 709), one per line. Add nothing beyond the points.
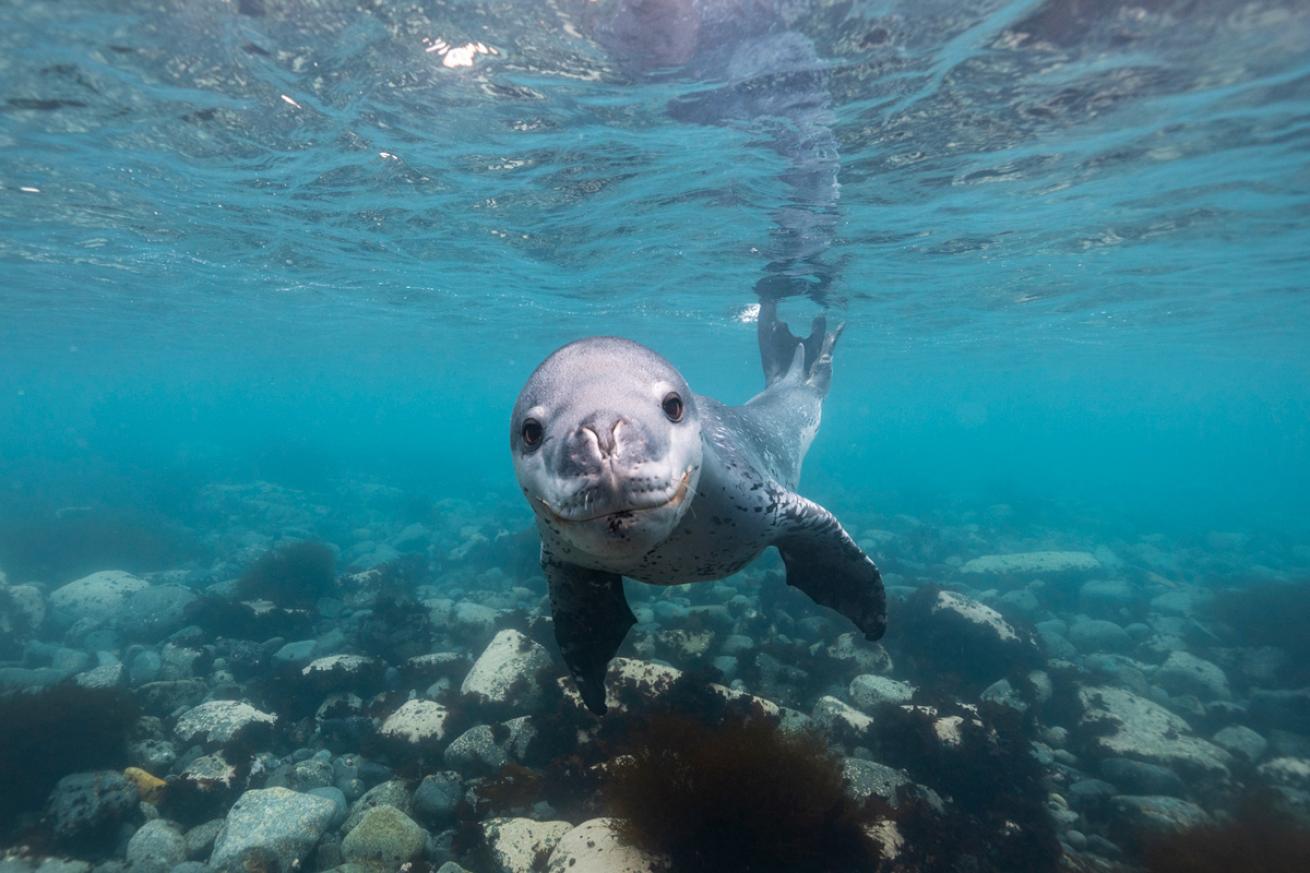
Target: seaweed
(47, 734)
(996, 819)
(1260, 837)
(740, 796)
(293, 575)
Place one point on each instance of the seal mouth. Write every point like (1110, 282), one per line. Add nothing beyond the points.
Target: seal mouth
(674, 500)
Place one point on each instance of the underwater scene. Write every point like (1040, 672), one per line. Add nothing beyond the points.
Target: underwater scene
(654, 436)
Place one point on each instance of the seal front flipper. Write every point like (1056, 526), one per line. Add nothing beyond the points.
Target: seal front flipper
(591, 619)
(823, 561)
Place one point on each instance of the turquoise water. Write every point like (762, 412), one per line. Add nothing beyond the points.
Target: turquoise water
(275, 271)
(1071, 245)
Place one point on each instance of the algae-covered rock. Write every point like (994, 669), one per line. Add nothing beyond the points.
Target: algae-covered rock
(385, 838)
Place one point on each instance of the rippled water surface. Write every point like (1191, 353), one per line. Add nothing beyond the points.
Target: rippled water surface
(1070, 238)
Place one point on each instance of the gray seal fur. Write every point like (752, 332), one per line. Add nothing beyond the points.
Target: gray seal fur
(630, 473)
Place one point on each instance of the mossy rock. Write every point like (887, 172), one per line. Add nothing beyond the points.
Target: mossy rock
(385, 838)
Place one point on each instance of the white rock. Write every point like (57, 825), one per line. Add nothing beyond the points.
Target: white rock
(474, 617)
(218, 721)
(506, 673)
(835, 716)
(1146, 731)
(515, 843)
(419, 722)
(595, 847)
(976, 612)
(888, 836)
(1288, 772)
(869, 691)
(1242, 742)
(1032, 563)
(1184, 673)
(284, 822)
(344, 663)
(97, 597)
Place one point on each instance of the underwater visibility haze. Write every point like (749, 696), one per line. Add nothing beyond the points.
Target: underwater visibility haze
(273, 272)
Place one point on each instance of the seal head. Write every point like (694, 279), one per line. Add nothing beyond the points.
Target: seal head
(606, 440)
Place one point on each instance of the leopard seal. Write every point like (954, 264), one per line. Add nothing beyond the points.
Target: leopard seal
(631, 473)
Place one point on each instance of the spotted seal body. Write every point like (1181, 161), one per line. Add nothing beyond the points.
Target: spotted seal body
(630, 473)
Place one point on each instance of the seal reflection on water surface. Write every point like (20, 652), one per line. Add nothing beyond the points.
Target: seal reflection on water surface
(630, 473)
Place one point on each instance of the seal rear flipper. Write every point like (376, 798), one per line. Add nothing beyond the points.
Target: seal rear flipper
(778, 348)
(823, 561)
(591, 619)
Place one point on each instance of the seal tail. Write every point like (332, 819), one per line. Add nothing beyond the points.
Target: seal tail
(779, 349)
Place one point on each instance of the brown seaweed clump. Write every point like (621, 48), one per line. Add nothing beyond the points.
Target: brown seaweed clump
(47, 734)
(740, 796)
(294, 575)
(1261, 838)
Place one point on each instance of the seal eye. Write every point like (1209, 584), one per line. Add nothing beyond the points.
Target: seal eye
(672, 406)
(531, 433)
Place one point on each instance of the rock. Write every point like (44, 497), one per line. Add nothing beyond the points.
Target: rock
(148, 786)
(839, 720)
(165, 698)
(418, 723)
(298, 653)
(1122, 724)
(221, 722)
(865, 779)
(1287, 772)
(1005, 694)
(474, 619)
(1184, 673)
(338, 798)
(384, 838)
(1241, 742)
(869, 691)
(1139, 777)
(1091, 793)
(105, 676)
(86, 806)
(594, 847)
(1099, 635)
(155, 848)
(1156, 815)
(1282, 709)
(514, 844)
(437, 797)
(947, 632)
(476, 753)
(146, 666)
(862, 655)
(98, 597)
(283, 823)
(154, 612)
(507, 673)
(390, 793)
(1032, 564)
(200, 839)
(345, 673)
(1106, 598)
